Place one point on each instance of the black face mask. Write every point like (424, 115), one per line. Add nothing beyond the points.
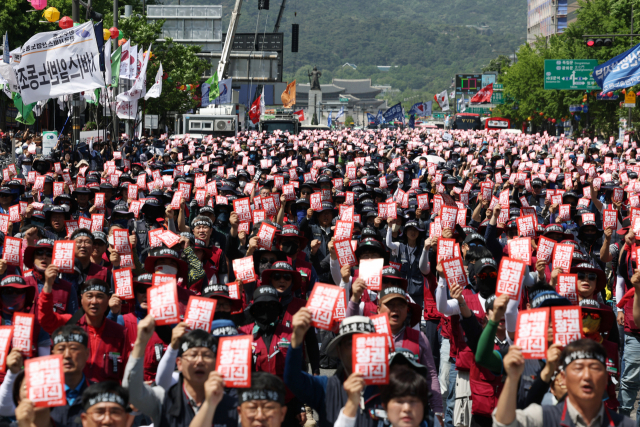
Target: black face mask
(220, 315)
(486, 287)
(264, 266)
(266, 313)
(289, 248)
(589, 238)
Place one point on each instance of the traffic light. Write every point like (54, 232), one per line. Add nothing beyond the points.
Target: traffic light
(263, 4)
(295, 31)
(599, 42)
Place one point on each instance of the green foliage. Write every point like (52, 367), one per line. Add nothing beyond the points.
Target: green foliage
(498, 64)
(349, 121)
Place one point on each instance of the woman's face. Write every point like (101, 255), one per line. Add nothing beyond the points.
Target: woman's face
(586, 284)
(405, 411)
(412, 233)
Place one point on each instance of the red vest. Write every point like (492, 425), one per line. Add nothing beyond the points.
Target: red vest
(154, 350)
(411, 341)
(485, 389)
(292, 308)
(459, 350)
(109, 350)
(430, 309)
(97, 272)
(61, 291)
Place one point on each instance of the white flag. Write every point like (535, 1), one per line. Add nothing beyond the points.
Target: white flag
(443, 100)
(156, 89)
(133, 62)
(127, 110)
(124, 60)
(107, 61)
(139, 87)
(262, 106)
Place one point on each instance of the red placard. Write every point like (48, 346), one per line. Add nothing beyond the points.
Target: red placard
(23, 324)
(316, 201)
(121, 241)
(11, 251)
(289, 192)
(531, 332)
(201, 180)
(58, 189)
(84, 222)
(14, 213)
(259, 215)
(6, 332)
(617, 196)
(71, 226)
(243, 269)
(343, 230)
(242, 207)
(269, 205)
(565, 212)
(97, 222)
(340, 310)
(610, 219)
(381, 323)
(510, 276)
(201, 196)
(123, 280)
(99, 200)
(567, 324)
(4, 223)
(141, 181)
(64, 253)
(44, 380)
(159, 278)
(200, 311)
(135, 207)
(526, 226)
(423, 201)
(454, 272)
(266, 233)
(520, 249)
(132, 191)
(175, 201)
(347, 213)
(448, 217)
(371, 272)
(162, 300)
(562, 257)
(446, 248)
(545, 249)
(370, 356)
(321, 303)
(345, 253)
(169, 238)
(154, 237)
(233, 360)
(568, 287)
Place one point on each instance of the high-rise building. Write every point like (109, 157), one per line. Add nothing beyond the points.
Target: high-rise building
(572, 11)
(546, 17)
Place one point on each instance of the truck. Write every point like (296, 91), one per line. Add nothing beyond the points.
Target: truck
(224, 120)
(279, 119)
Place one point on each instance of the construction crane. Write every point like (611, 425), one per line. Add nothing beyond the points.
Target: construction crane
(223, 65)
(277, 27)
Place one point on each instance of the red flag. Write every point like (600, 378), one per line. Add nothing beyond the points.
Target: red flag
(300, 114)
(484, 95)
(254, 113)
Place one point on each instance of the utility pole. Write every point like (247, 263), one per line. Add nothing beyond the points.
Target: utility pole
(75, 102)
(115, 88)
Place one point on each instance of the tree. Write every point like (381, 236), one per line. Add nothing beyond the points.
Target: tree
(499, 64)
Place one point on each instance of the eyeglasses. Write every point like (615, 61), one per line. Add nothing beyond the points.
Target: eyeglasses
(84, 243)
(100, 413)
(284, 276)
(487, 275)
(206, 357)
(587, 276)
(267, 260)
(43, 252)
(251, 409)
(305, 193)
(13, 291)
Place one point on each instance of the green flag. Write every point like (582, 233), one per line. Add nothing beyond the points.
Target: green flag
(96, 94)
(25, 112)
(214, 89)
(115, 67)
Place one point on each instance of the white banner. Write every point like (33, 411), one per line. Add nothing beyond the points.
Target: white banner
(59, 63)
(133, 62)
(156, 89)
(127, 110)
(124, 60)
(139, 88)
(107, 61)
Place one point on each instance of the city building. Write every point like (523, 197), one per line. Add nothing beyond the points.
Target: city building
(546, 18)
(572, 11)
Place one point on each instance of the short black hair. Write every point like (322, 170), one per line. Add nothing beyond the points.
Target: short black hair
(92, 282)
(105, 387)
(477, 252)
(265, 381)
(403, 382)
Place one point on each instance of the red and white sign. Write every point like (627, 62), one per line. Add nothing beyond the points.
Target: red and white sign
(526, 226)
(510, 276)
(343, 230)
(321, 303)
(154, 237)
(169, 238)
(6, 332)
(617, 196)
(11, 251)
(64, 253)
(371, 272)
(568, 287)
(316, 201)
(545, 249)
(176, 200)
(447, 249)
(4, 223)
(531, 332)
(243, 269)
(562, 257)
(454, 272)
(71, 226)
(565, 212)
(99, 200)
(233, 360)
(123, 279)
(162, 300)
(121, 241)
(448, 217)
(44, 380)
(381, 323)
(567, 324)
(345, 253)
(97, 222)
(200, 311)
(259, 215)
(242, 207)
(370, 357)
(132, 191)
(269, 205)
(610, 219)
(23, 324)
(266, 233)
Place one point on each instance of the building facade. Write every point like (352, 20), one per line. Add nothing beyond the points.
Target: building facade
(546, 18)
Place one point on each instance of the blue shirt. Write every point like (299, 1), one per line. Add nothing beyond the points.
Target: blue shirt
(72, 395)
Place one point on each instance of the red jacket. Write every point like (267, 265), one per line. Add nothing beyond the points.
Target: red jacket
(61, 291)
(154, 350)
(109, 345)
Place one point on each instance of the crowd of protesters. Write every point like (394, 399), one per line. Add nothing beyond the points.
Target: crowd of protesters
(454, 357)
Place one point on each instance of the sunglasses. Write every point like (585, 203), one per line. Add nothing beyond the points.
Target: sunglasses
(391, 282)
(487, 275)
(42, 252)
(267, 260)
(589, 276)
(282, 276)
(594, 316)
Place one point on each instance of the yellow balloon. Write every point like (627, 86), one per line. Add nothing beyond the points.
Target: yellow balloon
(106, 34)
(51, 14)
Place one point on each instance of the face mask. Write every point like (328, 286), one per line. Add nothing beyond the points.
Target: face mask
(222, 217)
(590, 238)
(219, 315)
(242, 184)
(486, 287)
(289, 248)
(166, 269)
(264, 266)
(395, 228)
(13, 302)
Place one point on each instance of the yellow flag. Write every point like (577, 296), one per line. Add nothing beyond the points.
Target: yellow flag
(288, 97)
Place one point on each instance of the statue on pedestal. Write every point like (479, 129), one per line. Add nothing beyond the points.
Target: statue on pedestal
(314, 79)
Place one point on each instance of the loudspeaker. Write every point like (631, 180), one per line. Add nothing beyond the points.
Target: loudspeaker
(295, 30)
